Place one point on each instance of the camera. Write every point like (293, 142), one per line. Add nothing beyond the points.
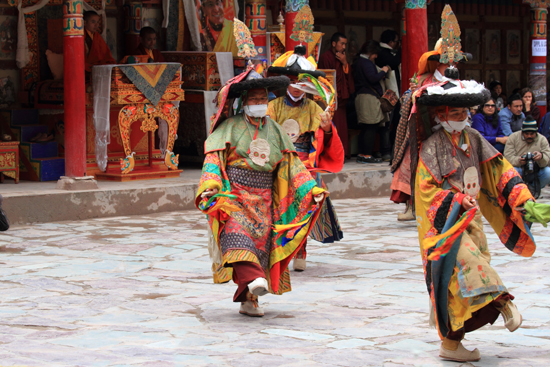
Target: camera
(529, 161)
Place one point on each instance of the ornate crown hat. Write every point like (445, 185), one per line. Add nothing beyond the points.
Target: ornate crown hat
(450, 50)
(245, 44)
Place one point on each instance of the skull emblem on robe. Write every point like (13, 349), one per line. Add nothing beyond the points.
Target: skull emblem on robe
(292, 128)
(259, 152)
(471, 182)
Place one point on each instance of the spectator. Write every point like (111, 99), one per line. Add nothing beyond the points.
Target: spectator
(390, 53)
(496, 92)
(369, 114)
(511, 117)
(529, 105)
(335, 59)
(524, 141)
(487, 122)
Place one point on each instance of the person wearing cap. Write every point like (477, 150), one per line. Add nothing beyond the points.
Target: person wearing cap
(457, 176)
(512, 117)
(528, 140)
(431, 69)
(259, 198)
(311, 130)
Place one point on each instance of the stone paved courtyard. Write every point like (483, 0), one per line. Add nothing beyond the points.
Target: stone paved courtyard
(137, 291)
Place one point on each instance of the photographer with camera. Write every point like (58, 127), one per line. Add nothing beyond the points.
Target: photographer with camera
(529, 153)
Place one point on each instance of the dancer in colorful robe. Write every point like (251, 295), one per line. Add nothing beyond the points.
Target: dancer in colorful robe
(430, 70)
(458, 176)
(96, 50)
(260, 199)
(311, 130)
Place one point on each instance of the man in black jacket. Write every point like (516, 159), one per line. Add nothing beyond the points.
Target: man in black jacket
(390, 54)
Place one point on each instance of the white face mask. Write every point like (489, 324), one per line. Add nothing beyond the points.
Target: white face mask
(439, 77)
(452, 127)
(295, 99)
(258, 110)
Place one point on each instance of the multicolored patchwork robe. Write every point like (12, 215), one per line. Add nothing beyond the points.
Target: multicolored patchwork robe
(269, 216)
(317, 153)
(454, 249)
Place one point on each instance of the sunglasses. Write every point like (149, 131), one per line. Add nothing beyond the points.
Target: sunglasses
(490, 105)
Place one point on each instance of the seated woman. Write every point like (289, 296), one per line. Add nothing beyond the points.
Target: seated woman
(529, 105)
(96, 50)
(487, 122)
(148, 40)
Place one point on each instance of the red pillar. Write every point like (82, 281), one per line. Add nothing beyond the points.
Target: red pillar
(75, 108)
(404, 52)
(417, 35)
(537, 54)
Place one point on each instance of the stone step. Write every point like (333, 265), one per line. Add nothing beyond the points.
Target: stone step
(36, 202)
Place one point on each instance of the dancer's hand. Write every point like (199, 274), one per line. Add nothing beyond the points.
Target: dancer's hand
(468, 202)
(320, 197)
(208, 193)
(326, 124)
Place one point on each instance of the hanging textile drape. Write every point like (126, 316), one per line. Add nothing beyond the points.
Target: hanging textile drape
(194, 28)
(22, 57)
(101, 79)
(165, 13)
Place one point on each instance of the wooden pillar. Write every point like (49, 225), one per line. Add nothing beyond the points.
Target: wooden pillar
(132, 26)
(292, 8)
(74, 96)
(255, 16)
(404, 51)
(417, 35)
(538, 52)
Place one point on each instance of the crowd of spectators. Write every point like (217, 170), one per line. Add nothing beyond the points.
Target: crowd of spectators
(513, 124)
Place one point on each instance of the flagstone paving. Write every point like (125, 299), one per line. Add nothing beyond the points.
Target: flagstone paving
(137, 291)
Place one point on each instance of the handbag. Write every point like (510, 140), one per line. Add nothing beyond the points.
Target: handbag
(387, 101)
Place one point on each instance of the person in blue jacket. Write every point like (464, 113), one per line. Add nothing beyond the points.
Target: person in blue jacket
(512, 117)
(544, 128)
(487, 122)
